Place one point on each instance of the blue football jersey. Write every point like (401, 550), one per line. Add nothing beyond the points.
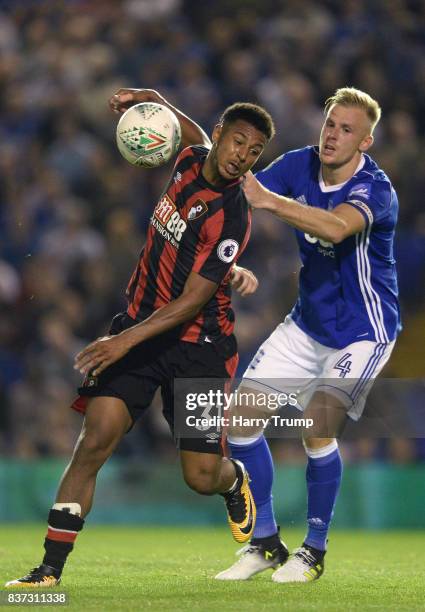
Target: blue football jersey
(347, 291)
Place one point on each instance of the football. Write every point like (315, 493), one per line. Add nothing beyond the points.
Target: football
(148, 134)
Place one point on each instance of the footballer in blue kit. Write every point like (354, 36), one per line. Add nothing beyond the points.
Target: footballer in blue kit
(342, 329)
(348, 290)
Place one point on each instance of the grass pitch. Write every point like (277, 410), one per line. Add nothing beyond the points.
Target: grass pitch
(160, 569)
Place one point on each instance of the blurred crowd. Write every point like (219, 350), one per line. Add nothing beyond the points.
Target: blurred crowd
(73, 213)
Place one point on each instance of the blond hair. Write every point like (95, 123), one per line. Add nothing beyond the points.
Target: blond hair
(350, 96)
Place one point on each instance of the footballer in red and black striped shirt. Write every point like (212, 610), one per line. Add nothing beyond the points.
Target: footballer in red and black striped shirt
(179, 324)
(196, 227)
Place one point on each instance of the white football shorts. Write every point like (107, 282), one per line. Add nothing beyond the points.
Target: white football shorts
(290, 361)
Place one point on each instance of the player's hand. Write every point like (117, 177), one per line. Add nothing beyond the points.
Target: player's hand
(243, 280)
(100, 354)
(255, 193)
(124, 98)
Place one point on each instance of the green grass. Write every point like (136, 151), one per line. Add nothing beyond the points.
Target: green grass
(115, 568)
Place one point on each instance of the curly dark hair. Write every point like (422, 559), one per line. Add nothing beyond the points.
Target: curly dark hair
(251, 113)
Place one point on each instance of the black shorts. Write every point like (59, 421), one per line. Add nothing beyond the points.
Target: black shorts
(157, 363)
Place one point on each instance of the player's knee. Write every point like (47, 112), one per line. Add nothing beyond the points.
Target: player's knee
(93, 448)
(202, 481)
(317, 443)
(245, 424)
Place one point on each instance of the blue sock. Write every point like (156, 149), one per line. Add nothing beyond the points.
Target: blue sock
(323, 480)
(257, 459)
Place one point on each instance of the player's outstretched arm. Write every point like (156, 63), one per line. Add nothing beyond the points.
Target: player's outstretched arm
(104, 351)
(192, 133)
(332, 226)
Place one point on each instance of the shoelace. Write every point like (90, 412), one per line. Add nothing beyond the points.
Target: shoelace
(31, 573)
(248, 549)
(234, 503)
(305, 555)
(36, 573)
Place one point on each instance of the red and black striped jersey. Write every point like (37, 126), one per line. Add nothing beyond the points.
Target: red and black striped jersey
(194, 227)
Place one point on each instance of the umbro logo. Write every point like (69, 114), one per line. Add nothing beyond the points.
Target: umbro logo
(212, 437)
(178, 177)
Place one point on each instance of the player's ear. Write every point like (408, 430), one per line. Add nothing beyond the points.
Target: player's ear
(217, 132)
(366, 143)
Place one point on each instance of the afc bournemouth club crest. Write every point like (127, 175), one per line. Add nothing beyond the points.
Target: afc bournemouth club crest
(197, 210)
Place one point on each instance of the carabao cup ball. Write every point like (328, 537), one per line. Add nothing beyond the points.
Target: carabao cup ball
(148, 134)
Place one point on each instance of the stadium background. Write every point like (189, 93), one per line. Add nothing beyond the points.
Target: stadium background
(73, 216)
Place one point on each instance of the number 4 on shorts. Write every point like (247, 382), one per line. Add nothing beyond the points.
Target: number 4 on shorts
(344, 365)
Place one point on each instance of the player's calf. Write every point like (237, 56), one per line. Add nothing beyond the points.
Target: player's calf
(202, 482)
(206, 473)
(210, 473)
